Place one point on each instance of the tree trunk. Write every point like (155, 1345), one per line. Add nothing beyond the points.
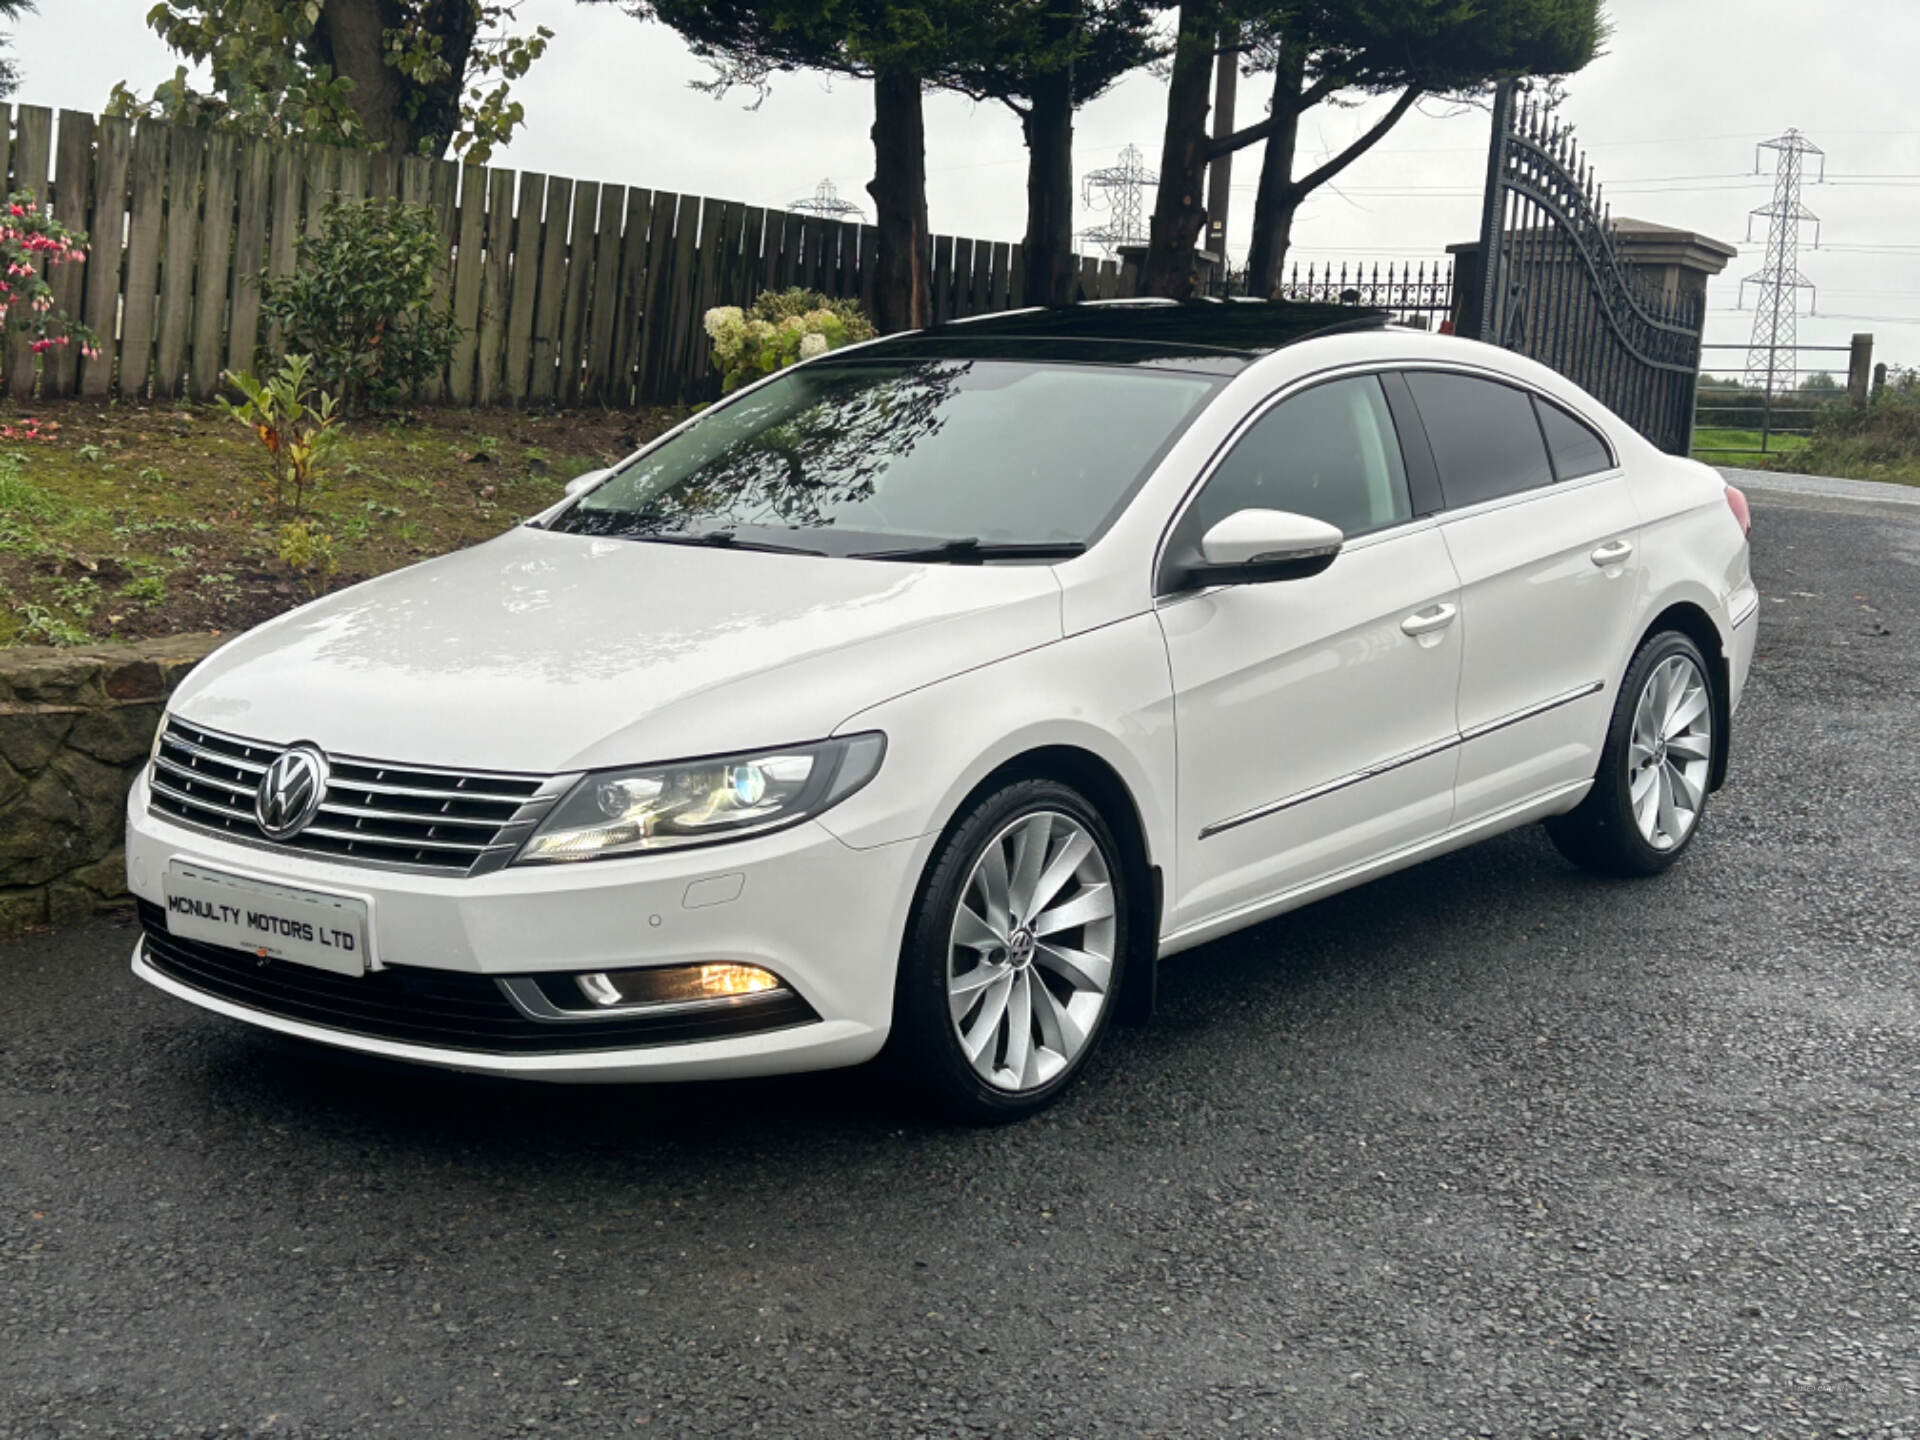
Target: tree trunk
(1276, 201)
(398, 116)
(1049, 243)
(902, 292)
(1178, 214)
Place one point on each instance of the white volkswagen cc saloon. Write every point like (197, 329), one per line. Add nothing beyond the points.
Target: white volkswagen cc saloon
(923, 697)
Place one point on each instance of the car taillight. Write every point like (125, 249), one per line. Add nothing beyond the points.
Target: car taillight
(1737, 502)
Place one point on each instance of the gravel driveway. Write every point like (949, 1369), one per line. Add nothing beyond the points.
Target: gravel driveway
(1489, 1148)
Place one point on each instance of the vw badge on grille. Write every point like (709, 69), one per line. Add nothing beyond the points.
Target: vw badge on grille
(290, 792)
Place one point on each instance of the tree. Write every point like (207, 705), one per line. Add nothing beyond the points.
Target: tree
(9, 67)
(407, 76)
(895, 46)
(1042, 58)
(1318, 52)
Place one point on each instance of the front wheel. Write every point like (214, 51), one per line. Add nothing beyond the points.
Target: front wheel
(1651, 786)
(1014, 953)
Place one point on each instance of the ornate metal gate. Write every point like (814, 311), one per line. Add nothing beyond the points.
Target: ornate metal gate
(1553, 286)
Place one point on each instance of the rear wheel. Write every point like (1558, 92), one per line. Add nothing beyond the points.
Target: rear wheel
(1014, 953)
(1651, 786)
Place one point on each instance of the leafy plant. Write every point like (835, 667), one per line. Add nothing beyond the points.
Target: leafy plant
(362, 302)
(91, 454)
(152, 474)
(780, 328)
(308, 552)
(145, 590)
(31, 241)
(38, 625)
(296, 424)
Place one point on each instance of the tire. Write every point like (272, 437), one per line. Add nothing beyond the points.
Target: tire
(970, 972)
(1650, 791)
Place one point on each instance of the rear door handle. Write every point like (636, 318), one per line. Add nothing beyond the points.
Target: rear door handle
(1612, 553)
(1434, 617)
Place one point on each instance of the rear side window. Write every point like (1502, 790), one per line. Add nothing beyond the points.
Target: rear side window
(1576, 449)
(1330, 452)
(1484, 437)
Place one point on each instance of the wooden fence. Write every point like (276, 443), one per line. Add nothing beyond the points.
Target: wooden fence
(566, 291)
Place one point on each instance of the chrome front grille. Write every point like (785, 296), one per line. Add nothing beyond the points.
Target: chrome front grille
(407, 816)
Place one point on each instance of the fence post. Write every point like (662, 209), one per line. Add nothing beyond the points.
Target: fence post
(1860, 370)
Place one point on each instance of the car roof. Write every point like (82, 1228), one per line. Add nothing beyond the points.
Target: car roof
(1219, 336)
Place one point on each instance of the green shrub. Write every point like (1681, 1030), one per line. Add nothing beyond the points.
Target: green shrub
(362, 303)
(1880, 441)
(780, 328)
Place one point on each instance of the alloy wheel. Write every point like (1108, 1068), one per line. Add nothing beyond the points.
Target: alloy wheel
(1031, 954)
(1670, 752)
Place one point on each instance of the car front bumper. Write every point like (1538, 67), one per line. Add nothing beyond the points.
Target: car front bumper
(823, 916)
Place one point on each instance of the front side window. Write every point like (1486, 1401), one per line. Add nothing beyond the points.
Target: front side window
(872, 457)
(1330, 452)
(1484, 437)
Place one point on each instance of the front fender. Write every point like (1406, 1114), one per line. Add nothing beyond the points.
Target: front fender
(1106, 691)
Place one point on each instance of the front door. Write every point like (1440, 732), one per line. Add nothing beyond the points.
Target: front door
(1315, 717)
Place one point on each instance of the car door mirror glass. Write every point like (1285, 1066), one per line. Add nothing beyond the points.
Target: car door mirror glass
(1256, 546)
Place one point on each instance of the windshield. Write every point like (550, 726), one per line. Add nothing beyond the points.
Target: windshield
(886, 456)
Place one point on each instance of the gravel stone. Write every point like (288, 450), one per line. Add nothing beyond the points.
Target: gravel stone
(1488, 1148)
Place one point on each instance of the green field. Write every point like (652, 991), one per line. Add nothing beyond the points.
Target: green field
(1720, 447)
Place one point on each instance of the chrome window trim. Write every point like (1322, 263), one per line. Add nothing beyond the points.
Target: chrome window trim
(1383, 767)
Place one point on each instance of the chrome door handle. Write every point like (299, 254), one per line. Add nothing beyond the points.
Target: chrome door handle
(1434, 617)
(1612, 553)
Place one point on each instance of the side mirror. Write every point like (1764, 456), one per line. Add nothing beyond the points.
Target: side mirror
(1251, 547)
(586, 481)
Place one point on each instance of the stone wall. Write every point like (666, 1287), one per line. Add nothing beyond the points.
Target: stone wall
(75, 727)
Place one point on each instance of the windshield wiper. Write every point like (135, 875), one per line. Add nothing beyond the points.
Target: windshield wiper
(719, 540)
(971, 550)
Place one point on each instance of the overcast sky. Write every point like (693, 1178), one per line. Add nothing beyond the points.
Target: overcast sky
(1671, 114)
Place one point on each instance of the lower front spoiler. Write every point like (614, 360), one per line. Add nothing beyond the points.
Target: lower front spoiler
(821, 1045)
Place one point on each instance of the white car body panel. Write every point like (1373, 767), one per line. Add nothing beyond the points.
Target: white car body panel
(1365, 747)
(547, 652)
(1275, 676)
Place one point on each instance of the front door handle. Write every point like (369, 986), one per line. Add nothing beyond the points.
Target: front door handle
(1434, 617)
(1612, 553)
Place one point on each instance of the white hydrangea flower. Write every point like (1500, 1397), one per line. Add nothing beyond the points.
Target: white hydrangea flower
(722, 318)
(812, 345)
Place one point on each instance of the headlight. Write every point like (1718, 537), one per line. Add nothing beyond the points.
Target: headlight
(664, 807)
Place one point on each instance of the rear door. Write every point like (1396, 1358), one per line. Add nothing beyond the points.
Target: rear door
(1542, 530)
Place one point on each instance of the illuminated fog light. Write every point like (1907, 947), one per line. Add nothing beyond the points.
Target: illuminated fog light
(677, 984)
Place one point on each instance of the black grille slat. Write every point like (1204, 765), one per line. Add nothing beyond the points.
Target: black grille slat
(410, 815)
(445, 1008)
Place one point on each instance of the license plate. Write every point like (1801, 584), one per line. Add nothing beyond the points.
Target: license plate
(275, 922)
